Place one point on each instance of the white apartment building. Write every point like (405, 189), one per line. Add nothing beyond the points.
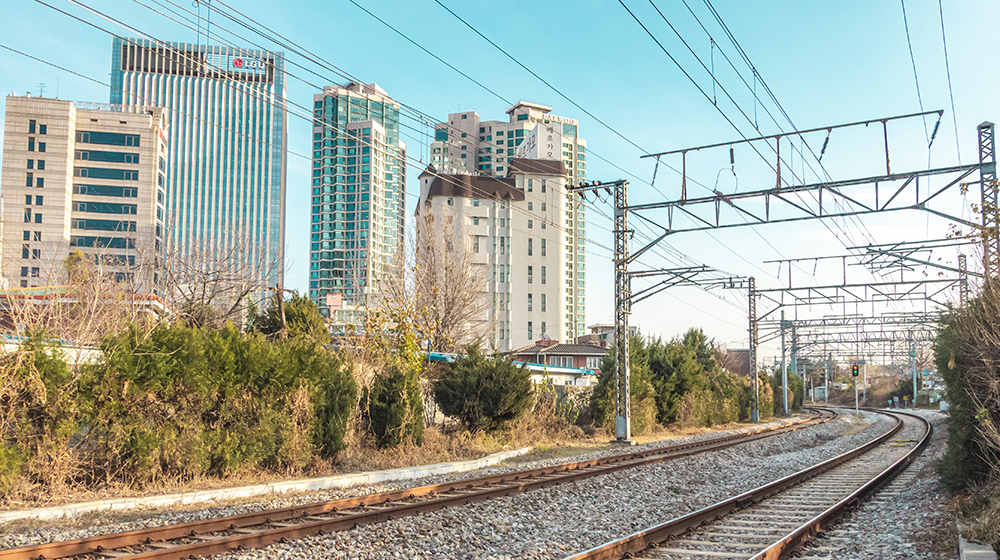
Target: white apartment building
(466, 144)
(514, 225)
(81, 176)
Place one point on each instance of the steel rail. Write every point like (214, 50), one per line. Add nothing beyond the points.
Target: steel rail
(653, 536)
(796, 539)
(194, 538)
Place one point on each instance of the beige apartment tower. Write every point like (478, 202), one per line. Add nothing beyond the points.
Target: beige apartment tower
(466, 144)
(82, 176)
(513, 226)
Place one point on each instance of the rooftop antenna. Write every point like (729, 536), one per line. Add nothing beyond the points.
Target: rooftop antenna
(41, 89)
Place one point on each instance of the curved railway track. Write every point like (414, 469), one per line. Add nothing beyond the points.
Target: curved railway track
(781, 518)
(224, 534)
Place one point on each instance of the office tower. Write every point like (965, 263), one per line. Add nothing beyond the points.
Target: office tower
(226, 123)
(468, 144)
(358, 198)
(82, 176)
(513, 227)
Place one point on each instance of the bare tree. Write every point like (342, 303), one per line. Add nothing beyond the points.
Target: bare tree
(208, 286)
(448, 285)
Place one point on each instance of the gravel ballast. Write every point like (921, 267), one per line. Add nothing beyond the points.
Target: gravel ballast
(548, 523)
(909, 518)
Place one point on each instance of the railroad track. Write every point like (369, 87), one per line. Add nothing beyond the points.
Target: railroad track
(785, 516)
(224, 534)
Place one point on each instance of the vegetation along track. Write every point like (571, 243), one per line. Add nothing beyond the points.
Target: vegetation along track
(780, 518)
(215, 536)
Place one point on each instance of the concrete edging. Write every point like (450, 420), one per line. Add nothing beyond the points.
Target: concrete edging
(973, 550)
(302, 485)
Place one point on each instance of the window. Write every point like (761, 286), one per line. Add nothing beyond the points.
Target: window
(27, 236)
(524, 118)
(543, 247)
(530, 182)
(29, 180)
(31, 144)
(543, 306)
(451, 202)
(529, 246)
(34, 272)
(529, 303)
(530, 224)
(543, 275)
(593, 363)
(475, 220)
(36, 253)
(25, 251)
(543, 188)
(38, 218)
(530, 337)
(31, 164)
(475, 201)
(475, 243)
(529, 279)
(24, 271)
(543, 327)
(41, 164)
(37, 236)
(27, 215)
(41, 129)
(31, 126)
(40, 182)
(41, 146)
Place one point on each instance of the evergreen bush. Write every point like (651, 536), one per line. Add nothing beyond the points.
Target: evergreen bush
(483, 393)
(641, 392)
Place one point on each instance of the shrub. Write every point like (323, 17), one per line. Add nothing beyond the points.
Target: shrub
(38, 414)
(396, 407)
(483, 393)
(183, 401)
(641, 393)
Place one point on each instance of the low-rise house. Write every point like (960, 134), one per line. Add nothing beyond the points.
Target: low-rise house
(565, 364)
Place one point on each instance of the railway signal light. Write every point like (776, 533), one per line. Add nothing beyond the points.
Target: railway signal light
(855, 370)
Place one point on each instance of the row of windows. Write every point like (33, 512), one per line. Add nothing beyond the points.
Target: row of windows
(109, 157)
(107, 242)
(104, 225)
(41, 164)
(38, 200)
(28, 252)
(113, 174)
(530, 274)
(31, 181)
(530, 302)
(31, 145)
(42, 129)
(105, 190)
(108, 138)
(105, 207)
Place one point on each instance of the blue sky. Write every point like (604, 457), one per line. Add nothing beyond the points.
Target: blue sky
(826, 63)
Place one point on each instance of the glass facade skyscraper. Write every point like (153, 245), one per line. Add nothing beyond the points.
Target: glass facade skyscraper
(358, 197)
(226, 126)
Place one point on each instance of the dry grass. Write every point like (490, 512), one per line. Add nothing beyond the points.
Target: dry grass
(550, 436)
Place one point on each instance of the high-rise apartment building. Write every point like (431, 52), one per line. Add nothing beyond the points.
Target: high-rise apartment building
(468, 144)
(82, 176)
(513, 227)
(358, 197)
(226, 124)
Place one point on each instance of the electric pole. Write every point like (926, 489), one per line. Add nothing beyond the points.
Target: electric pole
(623, 302)
(784, 372)
(752, 312)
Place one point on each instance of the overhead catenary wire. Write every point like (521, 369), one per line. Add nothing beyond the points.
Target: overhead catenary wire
(951, 92)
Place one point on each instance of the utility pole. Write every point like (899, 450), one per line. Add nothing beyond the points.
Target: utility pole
(752, 312)
(784, 372)
(963, 280)
(913, 355)
(623, 302)
(989, 209)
